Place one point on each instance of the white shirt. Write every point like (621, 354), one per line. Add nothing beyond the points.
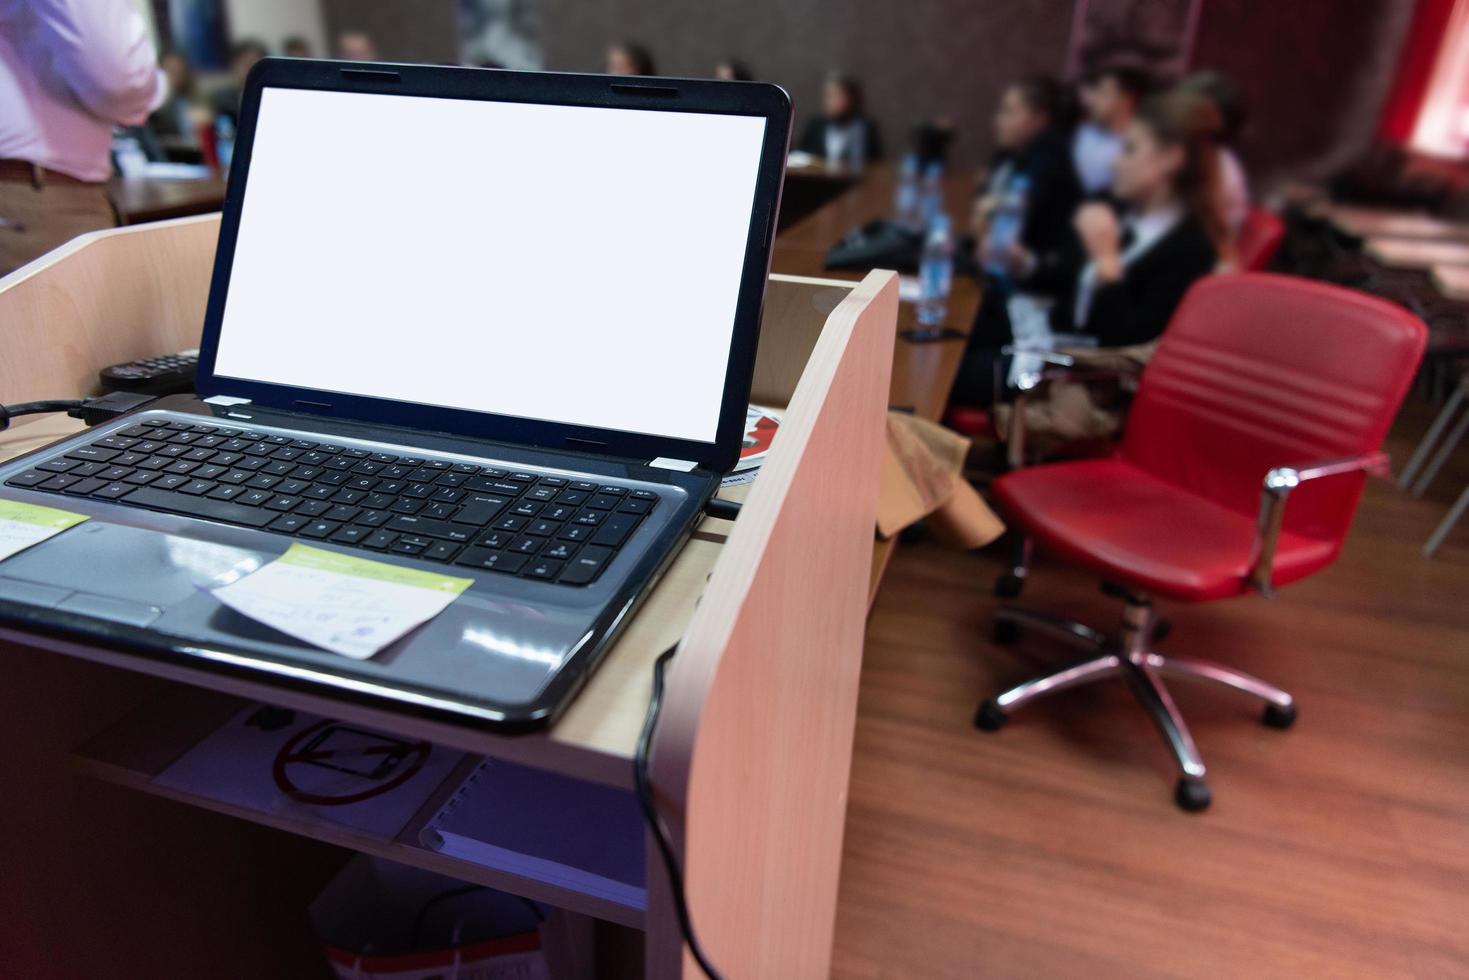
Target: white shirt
(1234, 191)
(71, 70)
(1094, 151)
(1147, 230)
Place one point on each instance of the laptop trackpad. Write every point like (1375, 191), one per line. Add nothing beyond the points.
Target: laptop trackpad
(126, 573)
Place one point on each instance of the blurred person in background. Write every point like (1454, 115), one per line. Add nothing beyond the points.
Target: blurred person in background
(733, 70)
(296, 46)
(176, 121)
(1109, 97)
(1122, 283)
(1133, 269)
(225, 102)
(70, 70)
(627, 58)
(842, 135)
(356, 46)
(1022, 218)
(1234, 188)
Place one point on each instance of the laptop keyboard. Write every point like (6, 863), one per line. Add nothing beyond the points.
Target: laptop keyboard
(517, 523)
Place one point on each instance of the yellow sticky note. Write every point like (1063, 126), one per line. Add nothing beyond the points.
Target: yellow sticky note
(23, 525)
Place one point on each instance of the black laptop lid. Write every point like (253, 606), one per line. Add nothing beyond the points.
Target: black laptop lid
(566, 261)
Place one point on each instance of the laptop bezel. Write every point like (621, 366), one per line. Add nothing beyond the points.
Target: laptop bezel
(769, 102)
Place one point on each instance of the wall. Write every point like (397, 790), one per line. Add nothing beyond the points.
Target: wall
(1315, 72)
(918, 58)
(272, 21)
(404, 30)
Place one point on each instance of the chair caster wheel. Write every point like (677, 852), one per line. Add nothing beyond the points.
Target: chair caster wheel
(1277, 717)
(1008, 586)
(990, 717)
(1192, 795)
(1161, 629)
(1005, 631)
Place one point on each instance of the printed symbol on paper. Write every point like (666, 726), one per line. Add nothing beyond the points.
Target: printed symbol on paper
(331, 764)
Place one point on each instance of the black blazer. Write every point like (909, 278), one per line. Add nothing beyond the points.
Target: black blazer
(1054, 195)
(813, 138)
(1136, 308)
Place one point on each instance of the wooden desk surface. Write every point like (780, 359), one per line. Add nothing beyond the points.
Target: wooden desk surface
(923, 373)
(142, 199)
(1416, 253)
(1361, 222)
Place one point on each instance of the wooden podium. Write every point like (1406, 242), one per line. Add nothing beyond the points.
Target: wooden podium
(751, 756)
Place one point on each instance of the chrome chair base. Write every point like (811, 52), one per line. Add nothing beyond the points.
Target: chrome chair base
(1132, 659)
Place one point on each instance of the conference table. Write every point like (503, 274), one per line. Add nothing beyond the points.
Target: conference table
(923, 371)
(142, 199)
(1417, 253)
(1363, 222)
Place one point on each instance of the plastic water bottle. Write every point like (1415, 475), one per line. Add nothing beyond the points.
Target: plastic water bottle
(224, 141)
(131, 160)
(1006, 224)
(935, 274)
(905, 199)
(933, 193)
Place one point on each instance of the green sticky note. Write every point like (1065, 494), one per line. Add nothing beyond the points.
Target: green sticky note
(305, 556)
(41, 517)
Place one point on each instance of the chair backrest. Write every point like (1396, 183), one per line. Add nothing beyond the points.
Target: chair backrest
(1258, 370)
(1258, 240)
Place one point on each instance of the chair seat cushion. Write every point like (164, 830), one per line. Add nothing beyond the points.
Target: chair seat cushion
(1140, 531)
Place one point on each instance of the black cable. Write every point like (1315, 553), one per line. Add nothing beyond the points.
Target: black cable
(8, 412)
(655, 822)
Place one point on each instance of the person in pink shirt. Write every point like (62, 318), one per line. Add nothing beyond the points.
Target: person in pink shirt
(70, 70)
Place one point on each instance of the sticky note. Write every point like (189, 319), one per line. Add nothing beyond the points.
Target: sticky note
(23, 525)
(348, 605)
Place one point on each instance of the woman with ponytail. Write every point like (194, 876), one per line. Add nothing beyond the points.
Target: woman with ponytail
(1138, 265)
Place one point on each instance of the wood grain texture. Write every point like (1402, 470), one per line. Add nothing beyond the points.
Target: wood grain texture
(751, 753)
(1416, 253)
(103, 298)
(1361, 222)
(1053, 849)
(143, 199)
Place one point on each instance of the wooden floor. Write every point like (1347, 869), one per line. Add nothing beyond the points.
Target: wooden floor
(1052, 849)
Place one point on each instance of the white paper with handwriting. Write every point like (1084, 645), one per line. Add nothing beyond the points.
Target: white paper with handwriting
(351, 606)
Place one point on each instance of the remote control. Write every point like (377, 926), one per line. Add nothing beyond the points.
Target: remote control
(165, 375)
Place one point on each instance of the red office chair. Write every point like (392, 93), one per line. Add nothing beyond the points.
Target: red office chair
(1258, 240)
(1258, 377)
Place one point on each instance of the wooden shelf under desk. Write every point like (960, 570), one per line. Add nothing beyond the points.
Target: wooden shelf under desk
(136, 750)
(751, 755)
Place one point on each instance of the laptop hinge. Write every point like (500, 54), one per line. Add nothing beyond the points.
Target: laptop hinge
(225, 401)
(682, 465)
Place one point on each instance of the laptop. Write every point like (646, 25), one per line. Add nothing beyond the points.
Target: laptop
(497, 325)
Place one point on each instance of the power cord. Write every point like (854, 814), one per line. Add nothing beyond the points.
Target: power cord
(655, 822)
(93, 411)
(727, 510)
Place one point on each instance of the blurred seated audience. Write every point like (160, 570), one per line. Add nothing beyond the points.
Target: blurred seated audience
(69, 73)
(225, 103)
(297, 46)
(1022, 218)
(627, 58)
(1228, 101)
(1109, 97)
(356, 46)
(733, 70)
(1118, 287)
(842, 135)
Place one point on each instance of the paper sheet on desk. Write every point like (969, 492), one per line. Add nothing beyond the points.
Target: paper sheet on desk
(24, 525)
(351, 606)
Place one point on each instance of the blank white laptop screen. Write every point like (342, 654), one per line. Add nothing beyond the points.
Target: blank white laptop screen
(569, 264)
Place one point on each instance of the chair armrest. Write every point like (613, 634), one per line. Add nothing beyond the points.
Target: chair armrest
(1043, 353)
(1274, 493)
(1027, 387)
